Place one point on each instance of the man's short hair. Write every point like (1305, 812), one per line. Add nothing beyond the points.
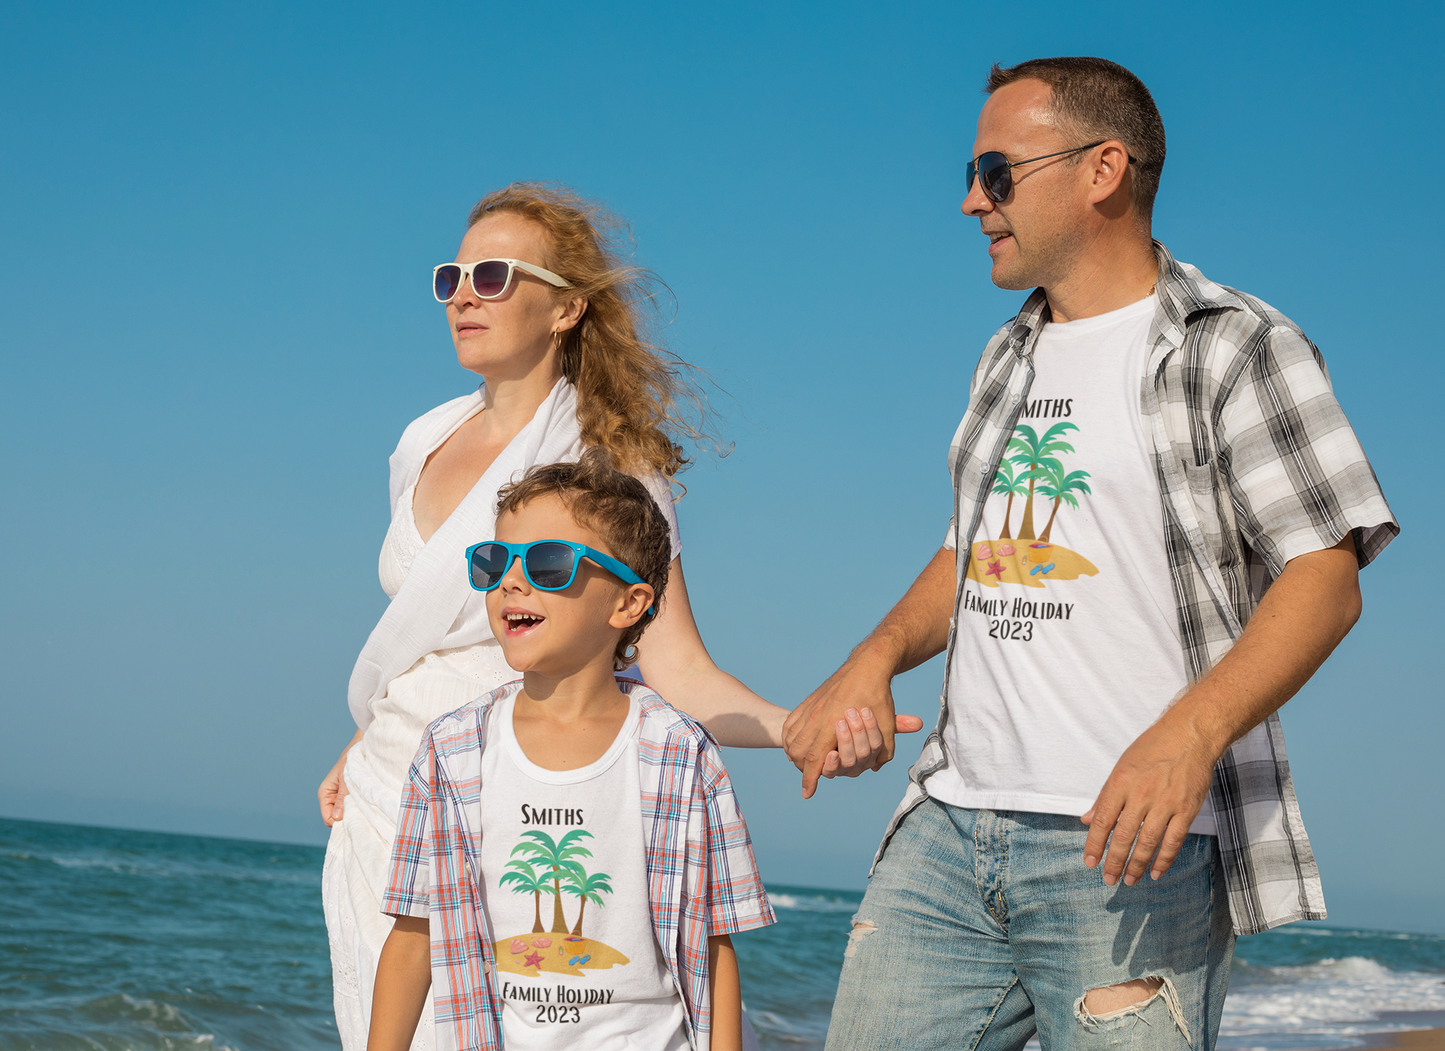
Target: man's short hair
(618, 508)
(1094, 99)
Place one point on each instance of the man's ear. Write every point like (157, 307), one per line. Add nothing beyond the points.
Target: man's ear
(631, 606)
(1109, 173)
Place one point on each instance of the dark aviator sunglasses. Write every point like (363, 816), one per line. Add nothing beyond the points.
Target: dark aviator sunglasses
(995, 171)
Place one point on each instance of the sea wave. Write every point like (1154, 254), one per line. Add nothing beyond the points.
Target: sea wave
(120, 1022)
(1336, 932)
(1328, 1003)
(798, 1032)
(165, 868)
(811, 902)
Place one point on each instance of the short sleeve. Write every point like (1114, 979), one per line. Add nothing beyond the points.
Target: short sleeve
(950, 539)
(661, 489)
(736, 900)
(409, 879)
(1300, 480)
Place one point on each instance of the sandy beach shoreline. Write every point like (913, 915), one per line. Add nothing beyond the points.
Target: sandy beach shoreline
(1409, 1040)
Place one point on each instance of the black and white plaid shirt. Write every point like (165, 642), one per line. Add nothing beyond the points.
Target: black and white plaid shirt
(1256, 465)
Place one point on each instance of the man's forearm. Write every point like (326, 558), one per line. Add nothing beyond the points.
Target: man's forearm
(1159, 784)
(1300, 620)
(915, 629)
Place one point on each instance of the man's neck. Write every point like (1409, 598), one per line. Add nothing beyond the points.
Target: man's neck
(1112, 273)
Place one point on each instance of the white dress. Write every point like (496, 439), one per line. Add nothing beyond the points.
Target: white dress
(359, 852)
(442, 679)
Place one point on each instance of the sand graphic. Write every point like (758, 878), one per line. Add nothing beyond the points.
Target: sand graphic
(1028, 562)
(531, 954)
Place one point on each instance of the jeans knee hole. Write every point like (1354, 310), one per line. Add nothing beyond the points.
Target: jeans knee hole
(1094, 1010)
(861, 930)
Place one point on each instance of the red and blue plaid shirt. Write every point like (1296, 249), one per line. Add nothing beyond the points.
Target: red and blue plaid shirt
(702, 878)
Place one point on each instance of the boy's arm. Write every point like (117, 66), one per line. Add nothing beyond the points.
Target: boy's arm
(403, 979)
(725, 991)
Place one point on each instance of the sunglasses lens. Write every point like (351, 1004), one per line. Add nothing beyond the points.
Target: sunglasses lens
(550, 565)
(446, 280)
(489, 278)
(994, 176)
(489, 565)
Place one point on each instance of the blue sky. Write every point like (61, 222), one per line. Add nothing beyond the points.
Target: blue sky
(216, 226)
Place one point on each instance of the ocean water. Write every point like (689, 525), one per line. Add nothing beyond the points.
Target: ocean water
(112, 939)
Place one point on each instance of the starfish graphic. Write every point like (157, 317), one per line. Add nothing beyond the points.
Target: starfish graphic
(534, 960)
(995, 569)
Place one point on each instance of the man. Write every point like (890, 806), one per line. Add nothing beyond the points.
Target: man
(1106, 800)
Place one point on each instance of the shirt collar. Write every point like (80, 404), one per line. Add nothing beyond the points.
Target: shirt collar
(1184, 292)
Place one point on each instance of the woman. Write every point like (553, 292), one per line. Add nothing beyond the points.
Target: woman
(538, 307)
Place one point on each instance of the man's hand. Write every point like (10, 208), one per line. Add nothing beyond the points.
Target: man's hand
(848, 717)
(1149, 801)
(1160, 782)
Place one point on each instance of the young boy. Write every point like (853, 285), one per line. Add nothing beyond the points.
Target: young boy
(569, 859)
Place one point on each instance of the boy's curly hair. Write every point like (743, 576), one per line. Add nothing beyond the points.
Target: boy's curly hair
(618, 508)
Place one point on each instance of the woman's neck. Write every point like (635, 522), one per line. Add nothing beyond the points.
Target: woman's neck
(511, 402)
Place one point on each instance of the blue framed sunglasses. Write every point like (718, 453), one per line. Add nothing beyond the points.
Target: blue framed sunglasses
(548, 565)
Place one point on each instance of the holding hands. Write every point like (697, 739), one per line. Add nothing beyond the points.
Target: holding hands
(845, 726)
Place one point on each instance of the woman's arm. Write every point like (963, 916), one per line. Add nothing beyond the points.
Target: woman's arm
(726, 993)
(332, 793)
(675, 662)
(677, 665)
(403, 978)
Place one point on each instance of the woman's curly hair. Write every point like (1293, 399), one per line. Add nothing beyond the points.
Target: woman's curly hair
(628, 388)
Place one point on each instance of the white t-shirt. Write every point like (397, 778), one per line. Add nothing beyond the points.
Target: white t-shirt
(580, 968)
(1067, 644)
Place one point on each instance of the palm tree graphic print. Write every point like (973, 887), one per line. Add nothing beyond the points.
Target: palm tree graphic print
(1031, 467)
(541, 865)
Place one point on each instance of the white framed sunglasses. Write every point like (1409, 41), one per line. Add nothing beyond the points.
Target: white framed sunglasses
(490, 278)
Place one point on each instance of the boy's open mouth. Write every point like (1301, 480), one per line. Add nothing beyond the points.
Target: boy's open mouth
(519, 623)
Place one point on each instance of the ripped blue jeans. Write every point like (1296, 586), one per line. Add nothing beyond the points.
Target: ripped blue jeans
(981, 926)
